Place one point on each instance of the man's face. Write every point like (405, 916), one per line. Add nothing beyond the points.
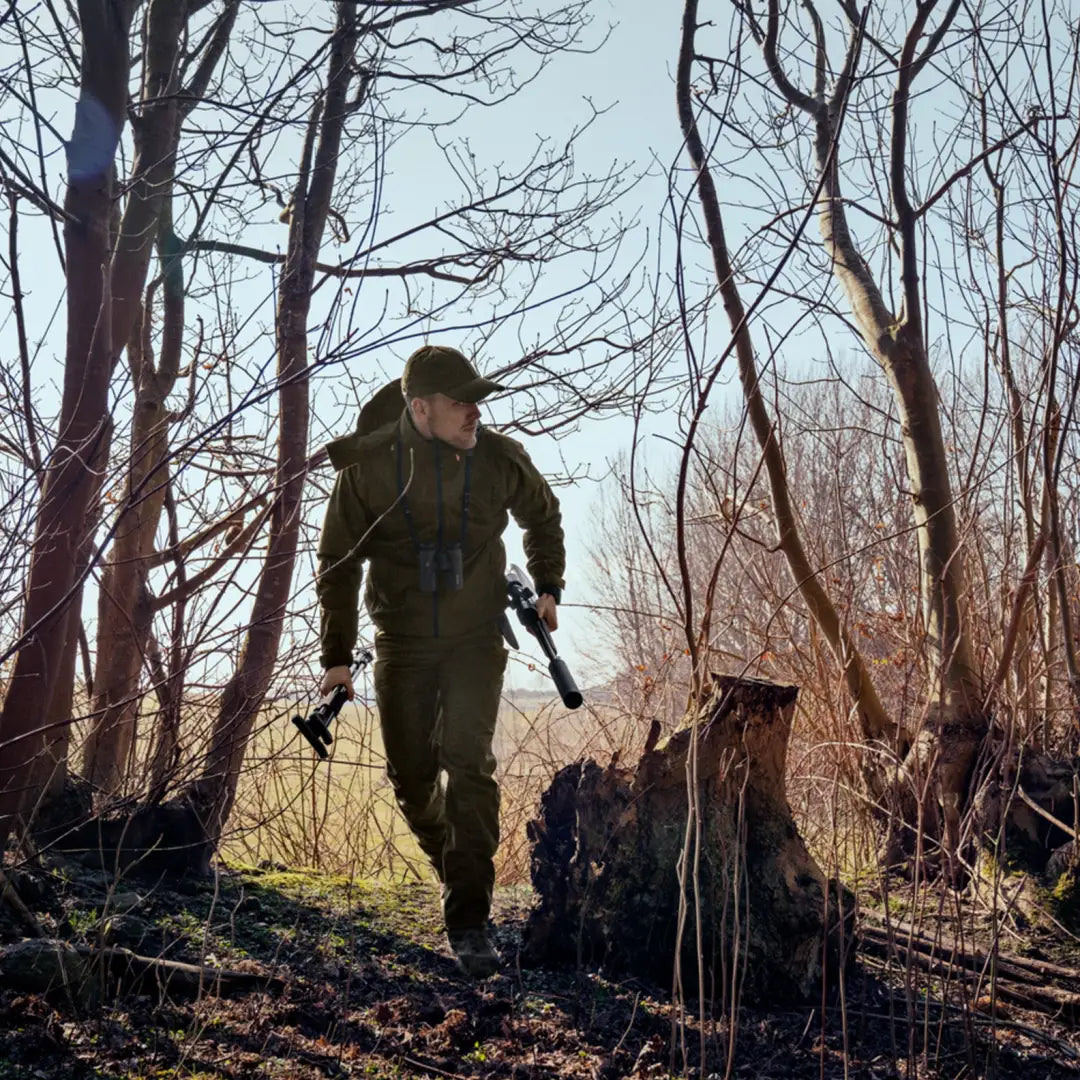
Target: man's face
(452, 421)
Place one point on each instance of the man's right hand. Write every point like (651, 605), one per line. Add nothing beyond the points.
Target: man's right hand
(337, 676)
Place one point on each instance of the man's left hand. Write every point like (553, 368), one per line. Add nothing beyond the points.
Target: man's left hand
(546, 609)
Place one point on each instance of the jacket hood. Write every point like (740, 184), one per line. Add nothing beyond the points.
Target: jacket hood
(384, 408)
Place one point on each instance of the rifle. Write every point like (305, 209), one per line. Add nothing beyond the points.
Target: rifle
(523, 601)
(316, 728)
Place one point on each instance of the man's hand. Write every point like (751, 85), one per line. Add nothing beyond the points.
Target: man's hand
(337, 676)
(546, 609)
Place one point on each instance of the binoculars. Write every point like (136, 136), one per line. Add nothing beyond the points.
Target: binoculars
(441, 563)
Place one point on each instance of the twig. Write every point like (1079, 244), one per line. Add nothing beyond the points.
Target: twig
(1046, 813)
(975, 1015)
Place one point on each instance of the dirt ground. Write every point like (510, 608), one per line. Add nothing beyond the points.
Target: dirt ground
(364, 987)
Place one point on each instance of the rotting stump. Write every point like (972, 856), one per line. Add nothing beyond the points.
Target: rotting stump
(609, 843)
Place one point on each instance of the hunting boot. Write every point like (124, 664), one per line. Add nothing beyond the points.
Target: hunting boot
(475, 955)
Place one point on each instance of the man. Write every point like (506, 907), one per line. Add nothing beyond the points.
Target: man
(423, 494)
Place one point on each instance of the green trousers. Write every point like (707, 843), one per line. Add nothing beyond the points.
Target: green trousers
(438, 701)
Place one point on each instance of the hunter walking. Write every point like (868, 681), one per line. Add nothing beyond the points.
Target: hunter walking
(423, 493)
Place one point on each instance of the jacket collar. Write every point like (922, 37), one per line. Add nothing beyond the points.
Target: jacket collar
(411, 438)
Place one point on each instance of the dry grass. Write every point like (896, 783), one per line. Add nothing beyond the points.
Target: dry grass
(339, 815)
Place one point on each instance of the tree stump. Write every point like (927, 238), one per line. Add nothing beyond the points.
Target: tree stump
(609, 843)
(167, 838)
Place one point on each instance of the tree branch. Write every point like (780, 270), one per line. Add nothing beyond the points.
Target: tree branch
(186, 590)
(184, 548)
(794, 95)
(973, 164)
(935, 38)
(1016, 617)
(219, 39)
(427, 267)
(909, 264)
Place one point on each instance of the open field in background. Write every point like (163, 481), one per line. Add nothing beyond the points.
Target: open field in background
(339, 815)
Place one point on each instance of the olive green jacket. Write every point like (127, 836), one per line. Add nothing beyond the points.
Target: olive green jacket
(366, 520)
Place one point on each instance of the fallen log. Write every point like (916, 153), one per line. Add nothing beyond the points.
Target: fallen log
(1010, 983)
(609, 844)
(90, 975)
(1022, 968)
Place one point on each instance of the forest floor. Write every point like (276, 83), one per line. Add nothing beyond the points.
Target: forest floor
(354, 980)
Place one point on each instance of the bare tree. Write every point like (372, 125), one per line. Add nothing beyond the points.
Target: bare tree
(761, 121)
(84, 419)
(125, 606)
(194, 491)
(310, 204)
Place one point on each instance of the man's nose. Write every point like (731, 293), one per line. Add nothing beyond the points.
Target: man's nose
(473, 414)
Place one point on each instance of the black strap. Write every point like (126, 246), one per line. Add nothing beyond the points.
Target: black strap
(466, 498)
(466, 494)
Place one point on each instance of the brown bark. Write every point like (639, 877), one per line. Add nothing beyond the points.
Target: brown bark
(62, 699)
(124, 618)
(120, 641)
(608, 845)
(215, 790)
(69, 483)
(875, 722)
(156, 131)
(165, 753)
(54, 762)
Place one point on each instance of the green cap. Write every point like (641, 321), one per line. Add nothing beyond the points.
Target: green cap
(437, 369)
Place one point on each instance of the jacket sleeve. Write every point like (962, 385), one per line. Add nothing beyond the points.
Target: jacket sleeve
(341, 551)
(536, 509)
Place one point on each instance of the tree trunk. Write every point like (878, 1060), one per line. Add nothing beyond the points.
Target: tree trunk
(898, 343)
(609, 845)
(84, 419)
(122, 643)
(54, 762)
(215, 790)
(122, 627)
(937, 765)
(875, 722)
